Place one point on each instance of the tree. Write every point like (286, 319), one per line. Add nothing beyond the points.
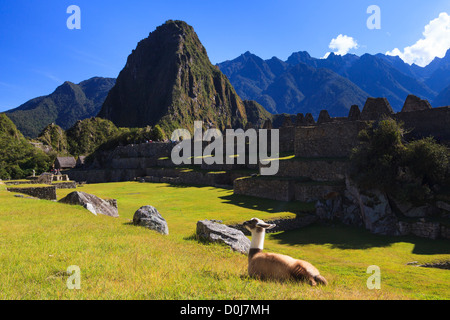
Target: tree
(157, 133)
(377, 159)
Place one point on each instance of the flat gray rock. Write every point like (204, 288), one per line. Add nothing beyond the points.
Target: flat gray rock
(216, 232)
(149, 217)
(92, 203)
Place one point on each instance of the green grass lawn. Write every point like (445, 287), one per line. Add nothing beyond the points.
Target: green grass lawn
(40, 239)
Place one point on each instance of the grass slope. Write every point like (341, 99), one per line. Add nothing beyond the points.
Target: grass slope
(40, 239)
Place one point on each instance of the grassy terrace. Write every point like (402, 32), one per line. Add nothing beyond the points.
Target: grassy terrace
(40, 239)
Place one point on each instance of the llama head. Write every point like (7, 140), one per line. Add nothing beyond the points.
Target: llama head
(257, 225)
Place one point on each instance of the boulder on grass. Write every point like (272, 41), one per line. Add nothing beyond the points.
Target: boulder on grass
(92, 203)
(149, 217)
(216, 232)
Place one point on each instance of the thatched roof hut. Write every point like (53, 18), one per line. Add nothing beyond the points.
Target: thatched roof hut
(62, 163)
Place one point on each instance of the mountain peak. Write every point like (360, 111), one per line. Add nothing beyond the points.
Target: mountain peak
(300, 56)
(169, 80)
(67, 88)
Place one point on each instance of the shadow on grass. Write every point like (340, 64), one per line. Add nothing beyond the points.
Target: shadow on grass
(346, 237)
(267, 205)
(184, 186)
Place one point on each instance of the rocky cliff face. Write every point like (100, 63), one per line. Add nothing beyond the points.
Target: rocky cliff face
(169, 80)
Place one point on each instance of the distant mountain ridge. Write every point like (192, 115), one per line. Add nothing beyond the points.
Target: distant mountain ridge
(169, 80)
(275, 83)
(65, 106)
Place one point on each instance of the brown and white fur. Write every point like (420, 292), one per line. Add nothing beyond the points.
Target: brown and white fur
(266, 265)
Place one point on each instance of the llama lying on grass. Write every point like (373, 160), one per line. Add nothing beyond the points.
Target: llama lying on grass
(265, 265)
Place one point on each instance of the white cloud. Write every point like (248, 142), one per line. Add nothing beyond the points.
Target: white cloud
(326, 55)
(435, 43)
(342, 45)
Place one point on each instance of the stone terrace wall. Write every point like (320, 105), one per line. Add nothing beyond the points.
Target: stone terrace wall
(286, 189)
(133, 156)
(287, 138)
(332, 139)
(430, 122)
(314, 169)
(274, 189)
(105, 175)
(46, 193)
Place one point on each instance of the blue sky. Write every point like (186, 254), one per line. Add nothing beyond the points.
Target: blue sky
(38, 51)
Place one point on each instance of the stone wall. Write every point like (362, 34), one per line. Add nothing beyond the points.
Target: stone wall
(19, 182)
(180, 176)
(287, 139)
(300, 221)
(133, 156)
(307, 192)
(274, 189)
(105, 175)
(331, 139)
(314, 169)
(285, 189)
(381, 214)
(65, 185)
(46, 193)
(376, 109)
(430, 122)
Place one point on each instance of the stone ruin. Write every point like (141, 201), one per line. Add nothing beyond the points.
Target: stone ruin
(317, 173)
(414, 103)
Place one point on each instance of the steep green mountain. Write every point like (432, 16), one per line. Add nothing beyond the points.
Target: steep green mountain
(55, 137)
(67, 104)
(87, 135)
(18, 157)
(8, 129)
(256, 114)
(169, 80)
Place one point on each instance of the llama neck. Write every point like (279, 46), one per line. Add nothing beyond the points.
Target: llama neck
(258, 240)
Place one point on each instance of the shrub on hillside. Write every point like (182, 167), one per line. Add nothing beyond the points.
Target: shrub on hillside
(406, 170)
(18, 157)
(428, 160)
(377, 159)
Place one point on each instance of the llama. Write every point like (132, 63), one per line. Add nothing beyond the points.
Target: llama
(275, 266)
